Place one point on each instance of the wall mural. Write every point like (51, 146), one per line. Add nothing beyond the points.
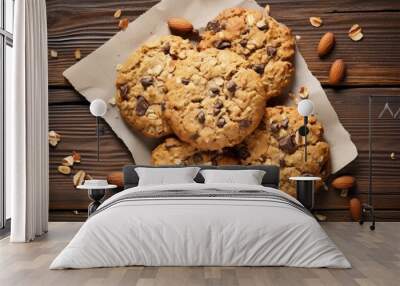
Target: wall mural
(186, 95)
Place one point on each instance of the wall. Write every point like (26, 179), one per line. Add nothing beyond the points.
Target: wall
(373, 69)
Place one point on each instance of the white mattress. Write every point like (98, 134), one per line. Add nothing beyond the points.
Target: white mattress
(191, 231)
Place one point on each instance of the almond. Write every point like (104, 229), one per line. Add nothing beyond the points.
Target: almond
(123, 24)
(355, 209)
(337, 72)
(68, 161)
(79, 178)
(355, 33)
(343, 182)
(180, 25)
(326, 44)
(116, 178)
(64, 170)
(316, 21)
(76, 156)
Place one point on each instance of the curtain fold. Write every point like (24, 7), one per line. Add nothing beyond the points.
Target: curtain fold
(27, 124)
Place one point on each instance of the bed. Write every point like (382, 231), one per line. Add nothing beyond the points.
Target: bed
(201, 224)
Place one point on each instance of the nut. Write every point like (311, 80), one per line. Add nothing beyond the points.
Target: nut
(337, 72)
(123, 24)
(68, 161)
(326, 44)
(53, 53)
(64, 170)
(355, 209)
(355, 33)
(316, 21)
(77, 54)
(343, 182)
(79, 178)
(180, 26)
(303, 92)
(76, 156)
(54, 138)
(116, 178)
(117, 13)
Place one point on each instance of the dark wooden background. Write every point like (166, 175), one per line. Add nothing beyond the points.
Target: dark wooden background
(373, 69)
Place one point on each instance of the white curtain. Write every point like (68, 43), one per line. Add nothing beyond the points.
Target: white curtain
(27, 124)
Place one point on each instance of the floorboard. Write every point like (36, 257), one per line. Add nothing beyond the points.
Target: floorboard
(375, 257)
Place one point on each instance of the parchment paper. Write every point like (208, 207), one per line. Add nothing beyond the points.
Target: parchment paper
(94, 76)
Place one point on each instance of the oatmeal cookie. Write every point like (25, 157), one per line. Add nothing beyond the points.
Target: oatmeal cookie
(213, 101)
(175, 152)
(266, 44)
(277, 142)
(141, 84)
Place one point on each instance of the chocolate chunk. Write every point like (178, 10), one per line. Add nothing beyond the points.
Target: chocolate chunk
(162, 104)
(243, 43)
(124, 90)
(282, 163)
(214, 26)
(216, 111)
(271, 51)
(166, 48)
(259, 68)
(231, 86)
(287, 144)
(262, 25)
(197, 158)
(185, 81)
(242, 151)
(275, 127)
(245, 123)
(218, 104)
(245, 31)
(221, 122)
(285, 123)
(201, 117)
(146, 81)
(223, 44)
(141, 106)
(214, 90)
(194, 136)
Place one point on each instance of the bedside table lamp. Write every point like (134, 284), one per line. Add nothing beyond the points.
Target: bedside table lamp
(305, 109)
(305, 184)
(98, 108)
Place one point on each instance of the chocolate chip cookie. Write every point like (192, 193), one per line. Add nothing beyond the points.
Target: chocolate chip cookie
(175, 152)
(277, 141)
(213, 101)
(141, 84)
(266, 44)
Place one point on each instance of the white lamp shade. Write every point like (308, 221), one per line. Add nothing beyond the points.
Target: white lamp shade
(305, 107)
(98, 107)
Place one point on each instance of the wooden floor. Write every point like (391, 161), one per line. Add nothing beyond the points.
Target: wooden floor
(375, 257)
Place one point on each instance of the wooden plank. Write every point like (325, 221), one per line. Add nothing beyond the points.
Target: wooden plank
(77, 128)
(374, 60)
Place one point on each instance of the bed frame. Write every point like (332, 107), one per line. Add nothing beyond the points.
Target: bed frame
(271, 178)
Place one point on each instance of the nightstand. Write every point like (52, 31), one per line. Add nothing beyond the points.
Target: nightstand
(305, 187)
(96, 194)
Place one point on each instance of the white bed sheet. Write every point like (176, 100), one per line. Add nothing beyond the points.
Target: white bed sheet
(200, 231)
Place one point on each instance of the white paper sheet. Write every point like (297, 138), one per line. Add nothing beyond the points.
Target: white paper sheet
(94, 76)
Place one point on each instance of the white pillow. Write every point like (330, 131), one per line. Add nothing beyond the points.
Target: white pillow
(166, 176)
(248, 177)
